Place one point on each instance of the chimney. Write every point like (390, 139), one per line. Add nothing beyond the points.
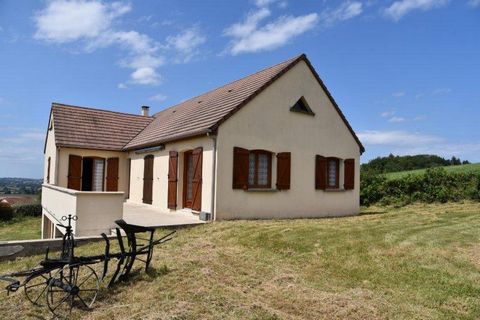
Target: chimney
(145, 110)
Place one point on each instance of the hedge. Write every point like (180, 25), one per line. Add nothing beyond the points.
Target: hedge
(435, 185)
(27, 210)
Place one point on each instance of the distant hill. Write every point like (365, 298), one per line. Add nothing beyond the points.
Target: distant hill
(20, 186)
(465, 168)
(405, 163)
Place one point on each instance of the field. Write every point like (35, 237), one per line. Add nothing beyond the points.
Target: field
(417, 262)
(466, 168)
(23, 228)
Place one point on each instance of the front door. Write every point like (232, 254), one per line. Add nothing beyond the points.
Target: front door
(187, 179)
(148, 179)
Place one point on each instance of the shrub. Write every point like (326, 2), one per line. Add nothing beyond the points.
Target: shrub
(28, 210)
(435, 185)
(6, 212)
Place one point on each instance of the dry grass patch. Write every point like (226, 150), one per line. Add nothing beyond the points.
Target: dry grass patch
(420, 261)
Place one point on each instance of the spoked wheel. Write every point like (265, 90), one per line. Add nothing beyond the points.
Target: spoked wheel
(73, 286)
(36, 287)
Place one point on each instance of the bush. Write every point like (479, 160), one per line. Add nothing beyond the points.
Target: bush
(6, 212)
(435, 185)
(28, 210)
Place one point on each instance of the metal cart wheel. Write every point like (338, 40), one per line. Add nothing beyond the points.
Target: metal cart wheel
(36, 287)
(73, 286)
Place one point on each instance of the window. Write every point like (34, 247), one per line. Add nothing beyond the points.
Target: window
(259, 169)
(48, 170)
(332, 173)
(302, 106)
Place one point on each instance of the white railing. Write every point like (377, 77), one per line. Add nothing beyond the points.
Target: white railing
(96, 211)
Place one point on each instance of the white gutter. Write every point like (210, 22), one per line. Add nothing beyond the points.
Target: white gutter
(214, 170)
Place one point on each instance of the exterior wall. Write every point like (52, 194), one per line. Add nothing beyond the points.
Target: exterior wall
(267, 123)
(64, 153)
(160, 173)
(50, 151)
(96, 211)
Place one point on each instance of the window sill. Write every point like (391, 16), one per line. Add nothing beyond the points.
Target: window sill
(334, 190)
(261, 190)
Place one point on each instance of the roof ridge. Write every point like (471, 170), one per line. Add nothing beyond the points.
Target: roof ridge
(98, 109)
(232, 82)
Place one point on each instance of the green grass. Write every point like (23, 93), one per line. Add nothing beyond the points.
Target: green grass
(417, 262)
(23, 228)
(466, 168)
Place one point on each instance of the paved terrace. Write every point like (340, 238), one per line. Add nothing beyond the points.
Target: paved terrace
(146, 215)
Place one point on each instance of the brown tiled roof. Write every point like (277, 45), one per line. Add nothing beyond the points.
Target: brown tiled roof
(89, 128)
(206, 112)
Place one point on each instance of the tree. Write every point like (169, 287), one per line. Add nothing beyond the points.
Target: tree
(6, 211)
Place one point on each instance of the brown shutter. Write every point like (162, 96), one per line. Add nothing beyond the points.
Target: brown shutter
(74, 172)
(48, 170)
(320, 172)
(128, 177)
(197, 179)
(240, 168)
(283, 170)
(112, 174)
(148, 179)
(172, 180)
(349, 174)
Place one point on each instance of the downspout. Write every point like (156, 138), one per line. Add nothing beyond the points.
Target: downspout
(214, 170)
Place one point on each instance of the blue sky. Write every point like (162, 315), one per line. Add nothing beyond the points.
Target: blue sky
(405, 72)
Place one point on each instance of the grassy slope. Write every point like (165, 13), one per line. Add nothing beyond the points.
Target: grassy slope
(421, 261)
(21, 229)
(466, 168)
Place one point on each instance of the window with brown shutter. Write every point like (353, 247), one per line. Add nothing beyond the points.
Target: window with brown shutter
(320, 172)
(48, 169)
(148, 179)
(240, 168)
(172, 179)
(349, 177)
(259, 169)
(112, 174)
(74, 172)
(283, 170)
(333, 173)
(197, 156)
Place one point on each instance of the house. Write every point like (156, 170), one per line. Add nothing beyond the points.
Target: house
(271, 145)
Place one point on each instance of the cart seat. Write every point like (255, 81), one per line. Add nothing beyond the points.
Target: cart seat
(132, 228)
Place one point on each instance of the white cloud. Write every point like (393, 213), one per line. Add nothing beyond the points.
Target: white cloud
(387, 114)
(398, 94)
(186, 43)
(347, 10)
(474, 3)
(94, 27)
(158, 97)
(270, 36)
(245, 28)
(396, 119)
(122, 86)
(397, 138)
(66, 21)
(441, 91)
(401, 7)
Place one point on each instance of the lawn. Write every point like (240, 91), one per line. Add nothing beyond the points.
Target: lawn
(466, 168)
(417, 262)
(22, 228)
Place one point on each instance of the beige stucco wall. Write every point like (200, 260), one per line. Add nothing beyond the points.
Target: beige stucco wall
(64, 153)
(267, 123)
(96, 211)
(160, 173)
(50, 151)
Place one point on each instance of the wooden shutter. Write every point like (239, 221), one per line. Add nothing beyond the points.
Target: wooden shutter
(240, 168)
(197, 179)
(48, 169)
(148, 179)
(283, 170)
(112, 174)
(172, 180)
(349, 176)
(320, 172)
(74, 172)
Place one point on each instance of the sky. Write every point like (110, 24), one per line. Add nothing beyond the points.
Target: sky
(406, 73)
